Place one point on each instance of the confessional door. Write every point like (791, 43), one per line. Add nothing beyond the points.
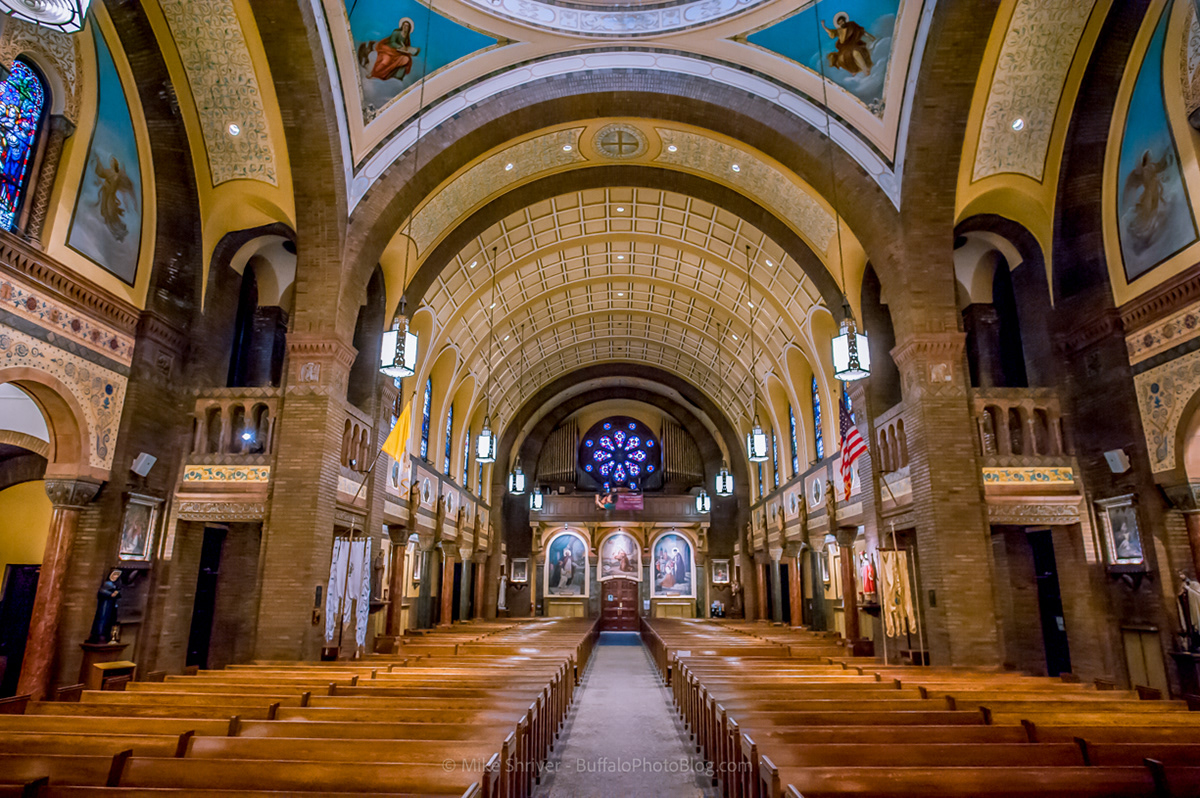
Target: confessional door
(619, 605)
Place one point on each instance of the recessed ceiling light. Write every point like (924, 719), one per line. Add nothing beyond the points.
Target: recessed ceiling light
(474, 263)
(620, 257)
(769, 263)
(620, 293)
(620, 210)
(506, 338)
(672, 148)
(736, 168)
(1018, 124)
(735, 338)
(508, 167)
(491, 306)
(751, 304)
(566, 148)
(234, 129)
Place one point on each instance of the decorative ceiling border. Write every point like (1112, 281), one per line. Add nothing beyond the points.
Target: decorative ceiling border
(627, 22)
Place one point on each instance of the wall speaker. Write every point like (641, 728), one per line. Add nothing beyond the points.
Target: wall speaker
(143, 463)
(1118, 461)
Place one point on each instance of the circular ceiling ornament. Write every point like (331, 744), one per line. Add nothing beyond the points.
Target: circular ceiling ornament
(600, 18)
(620, 142)
(65, 16)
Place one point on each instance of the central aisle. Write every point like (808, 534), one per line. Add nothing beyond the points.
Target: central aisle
(623, 736)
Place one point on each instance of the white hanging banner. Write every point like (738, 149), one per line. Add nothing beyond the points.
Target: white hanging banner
(349, 574)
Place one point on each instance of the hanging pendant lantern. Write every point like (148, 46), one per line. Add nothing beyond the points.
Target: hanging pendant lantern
(398, 352)
(485, 445)
(724, 481)
(756, 443)
(851, 356)
(516, 481)
(703, 502)
(537, 500)
(64, 16)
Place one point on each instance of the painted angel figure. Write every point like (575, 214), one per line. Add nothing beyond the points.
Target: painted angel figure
(113, 181)
(1145, 190)
(853, 45)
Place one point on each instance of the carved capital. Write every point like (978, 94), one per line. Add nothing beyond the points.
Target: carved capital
(1184, 497)
(62, 126)
(319, 363)
(932, 362)
(792, 548)
(71, 493)
(846, 535)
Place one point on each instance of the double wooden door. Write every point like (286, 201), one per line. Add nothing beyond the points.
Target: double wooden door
(619, 605)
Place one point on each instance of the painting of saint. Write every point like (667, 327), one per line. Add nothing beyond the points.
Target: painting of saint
(1124, 538)
(620, 556)
(673, 566)
(137, 528)
(107, 224)
(850, 41)
(398, 42)
(720, 572)
(566, 566)
(1154, 217)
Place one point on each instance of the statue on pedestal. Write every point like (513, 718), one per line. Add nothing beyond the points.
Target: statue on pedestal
(737, 606)
(106, 609)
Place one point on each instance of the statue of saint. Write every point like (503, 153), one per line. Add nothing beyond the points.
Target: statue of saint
(106, 609)
(377, 576)
(831, 505)
(737, 606)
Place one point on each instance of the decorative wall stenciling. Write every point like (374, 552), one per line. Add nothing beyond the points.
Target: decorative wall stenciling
(98, 391)
(494, 174)
(106, 226)
(397, 42)
(212, 46)
(25, 302)
(755, 177)
(1189, 60)
(217, 473)
(854, 40)
(1154, 214)
(1027, 84)
(1163, 393)
(57, 51)
(1163, 335)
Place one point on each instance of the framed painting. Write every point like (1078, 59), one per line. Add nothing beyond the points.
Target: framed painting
(720, 572)
(1121, 531)
(520, 571)
(566, 565)
(620, 558)
(137, 527)
(672, 565)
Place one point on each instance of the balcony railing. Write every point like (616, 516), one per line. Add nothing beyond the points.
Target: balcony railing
(678, 508)
(234, 421)
(1019, 425)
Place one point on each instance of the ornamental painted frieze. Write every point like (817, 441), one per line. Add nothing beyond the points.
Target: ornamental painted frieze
(1163, 394)
(219, 473)
(25, 302)
(1178, 328)
(98, 392)
(1028, 476)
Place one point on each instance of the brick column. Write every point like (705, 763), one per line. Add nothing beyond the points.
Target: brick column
(953, 550)
(298, 533)
(68, 497)
(760, 587)
(59, 130)
(447, 594)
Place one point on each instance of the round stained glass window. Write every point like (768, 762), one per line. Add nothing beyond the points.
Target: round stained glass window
(620, 452)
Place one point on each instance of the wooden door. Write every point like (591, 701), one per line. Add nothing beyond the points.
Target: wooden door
(619, 605)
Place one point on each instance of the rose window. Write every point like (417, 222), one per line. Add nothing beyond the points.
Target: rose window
(620, 452)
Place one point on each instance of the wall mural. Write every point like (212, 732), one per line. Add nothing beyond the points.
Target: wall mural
(620, 557)
(107, 224)
(566, 566)
(672, 558)
(852, 37)
(397, 42)
(1154, 216)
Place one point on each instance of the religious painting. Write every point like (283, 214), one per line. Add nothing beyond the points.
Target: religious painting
(107, 224)
(1154, 214)
(22, 102)
(672, 564)
(850, 40)
(720, 572)
(620, 557)
(1122, 535)
(398, 42)
(566, 566)
(137, 527)
(520, 571)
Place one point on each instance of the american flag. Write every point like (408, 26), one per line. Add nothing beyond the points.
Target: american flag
(852, 445)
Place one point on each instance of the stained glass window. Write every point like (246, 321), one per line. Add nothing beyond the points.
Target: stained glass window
(449, 435)
(22, 98)
(467, 462)
(775, 458)
(620, 451)
(817, 434)
(795, 442)
(427, 407)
